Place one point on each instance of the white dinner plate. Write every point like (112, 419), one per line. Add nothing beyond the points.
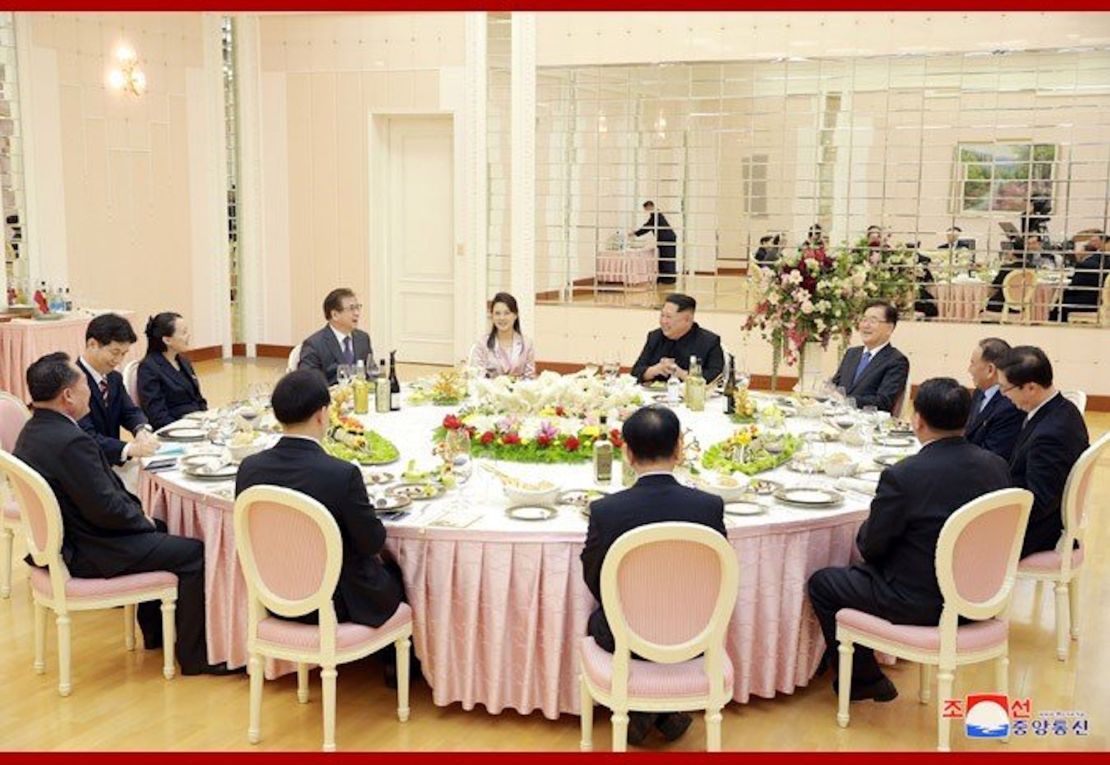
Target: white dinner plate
(744, 507)
(182, 433)
(809, 496)
(531, 513)
(895, 441)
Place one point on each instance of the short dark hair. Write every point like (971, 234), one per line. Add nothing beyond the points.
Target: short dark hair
(890, 313)
(158, 328)
(682, 302)
(50, 375)
(765, 239)
(993, 349)
(957, 229)
(110, 328)
(1027, 364)
(651, 433)
(299, 395)
(649, 203)
(874, 228)
(334, 300)
(943, 403)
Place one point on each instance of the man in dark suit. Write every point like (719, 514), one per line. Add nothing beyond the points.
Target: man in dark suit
(995, 422)
(653, 446)
(369, 591)
(898, 541)
(667, 350)
(664, 240)
(108, 338)
(875, 373)
(1082, 293)
(1051, 440)
(341, 341)
(106, 533)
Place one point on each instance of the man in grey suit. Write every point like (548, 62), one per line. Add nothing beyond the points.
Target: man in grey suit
(875, 373)
(341, 341)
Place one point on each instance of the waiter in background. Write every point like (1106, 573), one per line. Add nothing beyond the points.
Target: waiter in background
(664, 240)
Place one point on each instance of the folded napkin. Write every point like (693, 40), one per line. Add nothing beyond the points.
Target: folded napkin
(857, 485)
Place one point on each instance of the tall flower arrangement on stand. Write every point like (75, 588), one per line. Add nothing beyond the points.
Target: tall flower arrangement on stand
(809, 296)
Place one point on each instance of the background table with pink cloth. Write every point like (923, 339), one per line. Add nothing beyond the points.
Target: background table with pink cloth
(634, 266)
(24, 340)
(500, 605)
(965, 300)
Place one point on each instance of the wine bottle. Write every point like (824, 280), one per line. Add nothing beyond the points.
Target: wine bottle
(730, 386)
(394, 384)
(603, 455)
(381, 391)
(361, 388)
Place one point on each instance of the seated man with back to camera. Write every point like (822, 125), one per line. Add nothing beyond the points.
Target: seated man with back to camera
(667, 350)
(653, 447)
(875, 373)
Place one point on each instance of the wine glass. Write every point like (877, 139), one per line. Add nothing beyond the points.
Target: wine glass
(456, 455)
(611, 365)
(343, 374)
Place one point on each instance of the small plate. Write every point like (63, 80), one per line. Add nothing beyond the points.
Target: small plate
(809, 496)
(202, 460)
(580, 497)
(213, 471)
(531, 513)
(744, 507)
(195, 416)
(886, 460)
(417, 492)
(895, 441)
(385, 503)
(807, 467)
(182, 433)
(376, 478)
(764, 487)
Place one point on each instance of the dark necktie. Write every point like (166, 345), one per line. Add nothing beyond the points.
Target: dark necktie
(104, 391)
(348, 351)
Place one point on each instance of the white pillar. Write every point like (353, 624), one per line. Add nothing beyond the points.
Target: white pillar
(474, 125)
(523, 141)
(252, 278)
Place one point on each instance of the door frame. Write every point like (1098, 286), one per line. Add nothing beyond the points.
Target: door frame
(382, 330)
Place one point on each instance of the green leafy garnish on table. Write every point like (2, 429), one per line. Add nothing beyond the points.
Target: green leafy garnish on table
(367, 448)
(721, 457)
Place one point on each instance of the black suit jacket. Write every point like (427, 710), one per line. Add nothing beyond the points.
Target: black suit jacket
(105, 528)
(898, 541)
(881, 383)
(698, 342)
(652, 499)
(367, 593)
(658, 225)
(1082, 293)
(1044, 453)
(996, 428)
(168, 393)
(321, 350)
(104, 421)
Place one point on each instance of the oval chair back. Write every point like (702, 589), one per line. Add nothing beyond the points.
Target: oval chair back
(13, 415)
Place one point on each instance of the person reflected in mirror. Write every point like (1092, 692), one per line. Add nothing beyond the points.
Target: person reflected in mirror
(665, 239)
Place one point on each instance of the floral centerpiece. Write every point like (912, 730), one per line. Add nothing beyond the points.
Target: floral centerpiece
(579, 394)
(893, 273)
(751, 450)
(551, 437)
(348, 440)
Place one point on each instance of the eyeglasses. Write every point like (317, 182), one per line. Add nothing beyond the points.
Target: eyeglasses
(353, 307)
(871, 320)
(1008, 388)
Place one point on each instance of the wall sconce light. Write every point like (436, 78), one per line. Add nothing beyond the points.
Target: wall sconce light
(127, 76)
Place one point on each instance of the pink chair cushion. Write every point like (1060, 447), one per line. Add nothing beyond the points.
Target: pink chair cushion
(648, 679)
(11, 512)
(348, 635)
(970, 637)
(1048, 561)
(130, 584)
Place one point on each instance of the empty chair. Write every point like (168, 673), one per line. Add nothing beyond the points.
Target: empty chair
(1064, 569)
(668, 620)
(291, 553)
(1018, 290)
(976, 564)
(13, 414)
(53, 588)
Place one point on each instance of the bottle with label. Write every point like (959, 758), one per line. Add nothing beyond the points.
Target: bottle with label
(40, 298)
(394, 384)
(381, 391)
(603, 455)
(362, 389)
(67, 299)
(730, 386)
(372, 376)
(695, 387)
(674, 390)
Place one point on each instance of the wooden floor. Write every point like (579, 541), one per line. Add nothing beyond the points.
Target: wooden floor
(121, 702)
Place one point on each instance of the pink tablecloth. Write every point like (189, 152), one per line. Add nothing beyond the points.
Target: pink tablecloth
(628, 266)
(964, 301)
(24, 340)
(498, 614)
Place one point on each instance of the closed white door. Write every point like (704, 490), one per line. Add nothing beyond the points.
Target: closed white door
(420, 240)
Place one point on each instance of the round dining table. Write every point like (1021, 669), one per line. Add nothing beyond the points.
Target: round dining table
(500, 604)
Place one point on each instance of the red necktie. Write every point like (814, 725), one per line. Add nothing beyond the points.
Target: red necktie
(104, 391)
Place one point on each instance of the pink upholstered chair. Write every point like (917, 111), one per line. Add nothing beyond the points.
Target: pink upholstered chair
(668, 620)
(291, 553)
(13, 414)
(1064, 570)
(53, 588)
(976, 564)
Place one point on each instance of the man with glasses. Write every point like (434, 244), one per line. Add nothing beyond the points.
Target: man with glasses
(875, 373)
(1051, 440)
(341, 341)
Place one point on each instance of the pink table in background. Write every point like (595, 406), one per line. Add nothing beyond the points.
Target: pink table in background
(24, 340)
(965, 300)
(627, 266)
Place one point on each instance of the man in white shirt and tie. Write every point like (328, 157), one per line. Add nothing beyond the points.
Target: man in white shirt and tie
(340, 341)
(875, 373)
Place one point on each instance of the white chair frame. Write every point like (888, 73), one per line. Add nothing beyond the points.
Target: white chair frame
(710, 641)
(261, 599)
(131, 380)
(294, 358)
(49, 556)
(1077, 397)
(8, 528)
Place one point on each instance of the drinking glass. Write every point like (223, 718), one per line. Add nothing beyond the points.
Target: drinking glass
(343, 374)
(456, 453)
(611, 365)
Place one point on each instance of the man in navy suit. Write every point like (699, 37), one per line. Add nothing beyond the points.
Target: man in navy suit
(995, 422)
(341, 341)
(1050, 442)
(108, 338)
(875, 373)
(898, 541)
(653, 446)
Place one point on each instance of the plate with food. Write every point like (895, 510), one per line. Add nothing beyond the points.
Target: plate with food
(655, 387)
(531, 513)
(417, 492)
(579, 497)
(810, 497)
(763, 486)
(376, 477)
(385, 502)
(209, 468)
(365, 448)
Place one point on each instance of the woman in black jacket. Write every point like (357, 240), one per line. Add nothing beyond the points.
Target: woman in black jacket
(168, 386)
